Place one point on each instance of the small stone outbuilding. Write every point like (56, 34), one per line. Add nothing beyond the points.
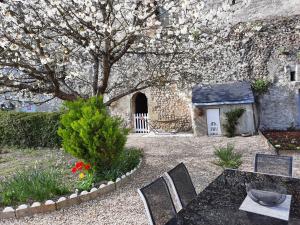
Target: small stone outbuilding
(211, 102)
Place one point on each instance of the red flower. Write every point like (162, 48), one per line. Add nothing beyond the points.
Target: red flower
(79, 165)
(74, 169)
(87, 166)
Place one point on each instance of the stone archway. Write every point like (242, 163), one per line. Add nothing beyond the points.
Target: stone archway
(140, 103)
(139, 109)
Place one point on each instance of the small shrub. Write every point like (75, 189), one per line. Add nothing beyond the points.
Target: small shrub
(127, 161)
(33, 184)
(260, 86)
(89, 133)
(232, 118)
(227, 158)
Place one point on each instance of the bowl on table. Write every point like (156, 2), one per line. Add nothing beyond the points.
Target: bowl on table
(266, 194)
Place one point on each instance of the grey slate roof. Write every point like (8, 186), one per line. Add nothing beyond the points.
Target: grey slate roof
(239, 92)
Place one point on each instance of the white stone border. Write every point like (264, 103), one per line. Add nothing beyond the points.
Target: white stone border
(64, 202)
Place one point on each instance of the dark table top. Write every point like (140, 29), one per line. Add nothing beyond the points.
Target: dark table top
(218, 203)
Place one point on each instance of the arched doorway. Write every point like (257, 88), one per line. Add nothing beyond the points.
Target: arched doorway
(140, 113)
(141, 103)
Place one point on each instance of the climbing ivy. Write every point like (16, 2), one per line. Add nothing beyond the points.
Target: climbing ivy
(232, 118)
(260, 86)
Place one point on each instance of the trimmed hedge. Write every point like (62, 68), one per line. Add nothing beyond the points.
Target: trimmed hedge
(29, 130)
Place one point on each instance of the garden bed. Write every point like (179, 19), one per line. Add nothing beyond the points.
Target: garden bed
(284, 140)
(67, 201)
(51, 171)
(88, 133)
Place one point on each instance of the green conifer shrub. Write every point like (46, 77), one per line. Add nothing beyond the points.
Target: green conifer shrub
(89, 133)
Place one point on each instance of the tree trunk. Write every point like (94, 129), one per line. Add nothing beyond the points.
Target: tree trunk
(96, 75)
(106, 67)
(106, 75)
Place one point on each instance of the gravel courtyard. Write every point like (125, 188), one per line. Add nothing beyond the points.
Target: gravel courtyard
(161, 154)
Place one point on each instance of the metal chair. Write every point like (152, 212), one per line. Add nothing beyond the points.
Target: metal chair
(158, 202)
(274, 164)
(182, 185)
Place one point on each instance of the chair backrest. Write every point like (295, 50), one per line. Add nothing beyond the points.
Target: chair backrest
(274, 164)
(158, 202)
(182, 185)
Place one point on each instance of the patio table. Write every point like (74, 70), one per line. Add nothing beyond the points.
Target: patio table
(219, 202)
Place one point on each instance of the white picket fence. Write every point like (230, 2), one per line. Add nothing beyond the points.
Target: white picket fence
(141, 124)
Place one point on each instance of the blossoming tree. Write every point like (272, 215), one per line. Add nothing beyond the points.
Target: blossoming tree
(81, 48)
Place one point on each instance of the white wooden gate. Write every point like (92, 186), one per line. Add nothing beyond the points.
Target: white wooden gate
(141, 124)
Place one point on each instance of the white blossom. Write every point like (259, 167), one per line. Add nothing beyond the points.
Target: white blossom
(81, 48)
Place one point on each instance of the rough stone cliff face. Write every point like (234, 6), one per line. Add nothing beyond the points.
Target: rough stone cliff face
(250, 10)
(267, 49)
(263, 41)
(253, 49)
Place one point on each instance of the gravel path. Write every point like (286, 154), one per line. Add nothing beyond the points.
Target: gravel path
(161, 154)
